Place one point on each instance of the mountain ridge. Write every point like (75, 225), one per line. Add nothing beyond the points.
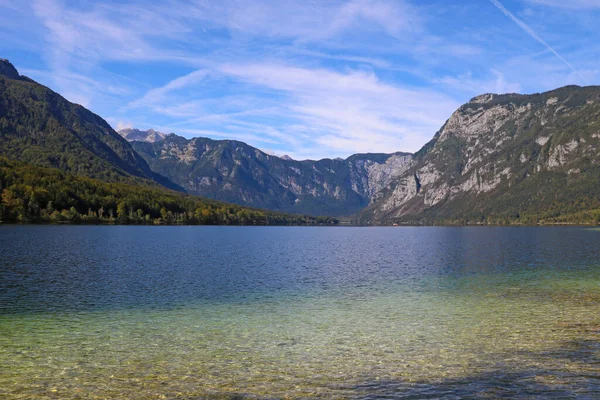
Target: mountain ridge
(234, 171)
(503, 158)
(150, 135)
(499, 158)
(436, 183)
(41, 127)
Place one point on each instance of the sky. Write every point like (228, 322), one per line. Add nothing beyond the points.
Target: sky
(311, 78)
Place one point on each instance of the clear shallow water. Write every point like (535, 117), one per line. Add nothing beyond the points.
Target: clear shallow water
(195, 312)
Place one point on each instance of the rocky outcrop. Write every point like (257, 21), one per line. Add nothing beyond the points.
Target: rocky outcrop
(496, 147)
(236, 172)
(149, 136)
(497, 157)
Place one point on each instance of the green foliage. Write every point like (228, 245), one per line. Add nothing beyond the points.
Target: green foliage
(40, 127)
(47, 195)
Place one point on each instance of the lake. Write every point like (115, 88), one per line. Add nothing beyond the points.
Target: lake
(270, 312)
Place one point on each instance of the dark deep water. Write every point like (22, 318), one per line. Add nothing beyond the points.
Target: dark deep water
(195, 312)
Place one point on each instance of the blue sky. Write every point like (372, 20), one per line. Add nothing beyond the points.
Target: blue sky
(311, 78)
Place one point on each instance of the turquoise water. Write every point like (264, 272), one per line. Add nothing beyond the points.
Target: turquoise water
(203, 312)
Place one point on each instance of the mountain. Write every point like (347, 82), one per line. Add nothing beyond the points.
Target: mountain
(233, 171)
(499, 159)
(150, 136)
(504, 159)
(35, 194)
(40, 127)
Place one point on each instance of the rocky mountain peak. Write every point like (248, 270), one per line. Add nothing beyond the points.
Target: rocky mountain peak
(492, 97)
(483, 98)
(501, 157)
(8, 70)
(236, 172)
(148, 136)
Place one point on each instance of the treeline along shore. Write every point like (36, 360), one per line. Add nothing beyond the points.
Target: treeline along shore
(31, 194)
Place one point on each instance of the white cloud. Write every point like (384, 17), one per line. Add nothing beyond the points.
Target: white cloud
(546, 75)
(123, 125)
(311, 19)
(503, 86)
(77, 41)
(496, 83)
(157, 96)
(350, 112)
(379, 63)
(79, 88)
(312, 78)
(332, 113)
(100, 32)
(531, 33)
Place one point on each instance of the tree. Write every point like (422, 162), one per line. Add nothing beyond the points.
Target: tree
(34, 194)
(13, 205)
(122, 211)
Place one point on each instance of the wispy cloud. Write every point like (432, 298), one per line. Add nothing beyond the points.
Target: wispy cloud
(531, 33)
(104, 31)
(157, 95)
(123, 125)
(78, 41)
(80, 88)
(308, 78)
(339, 113)
(312, 20)
(467, 83)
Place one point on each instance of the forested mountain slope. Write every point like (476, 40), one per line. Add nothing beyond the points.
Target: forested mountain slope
(41, 127)
(35, 194)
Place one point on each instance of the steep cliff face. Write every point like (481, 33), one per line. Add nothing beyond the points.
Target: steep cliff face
(236, 172)
(501, 155)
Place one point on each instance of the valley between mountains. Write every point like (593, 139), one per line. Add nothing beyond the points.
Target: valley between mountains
(499, 159)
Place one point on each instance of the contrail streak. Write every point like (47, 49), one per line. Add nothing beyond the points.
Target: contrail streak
(531, 33)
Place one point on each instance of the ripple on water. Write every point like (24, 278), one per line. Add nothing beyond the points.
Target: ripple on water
(453, 331)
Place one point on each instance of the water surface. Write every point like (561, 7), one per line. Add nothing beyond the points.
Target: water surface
(189, 312)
